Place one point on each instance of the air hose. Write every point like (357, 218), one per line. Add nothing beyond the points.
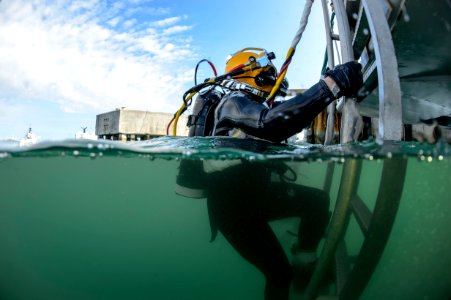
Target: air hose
(188, 96)
(290, 53)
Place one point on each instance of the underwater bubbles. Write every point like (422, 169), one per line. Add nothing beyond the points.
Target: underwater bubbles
(187, 153)
(369, 156)
(406, 16)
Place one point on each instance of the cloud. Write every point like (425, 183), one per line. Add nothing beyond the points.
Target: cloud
(176, 29)
(166, 22)
(90, 56)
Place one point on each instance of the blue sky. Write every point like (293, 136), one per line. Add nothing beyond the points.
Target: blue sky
(64, 62)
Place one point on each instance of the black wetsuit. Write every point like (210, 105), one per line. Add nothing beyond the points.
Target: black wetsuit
(242, 199)
(245, 112)
(242, 202)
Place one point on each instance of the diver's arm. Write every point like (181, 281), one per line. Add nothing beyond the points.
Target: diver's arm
(279, 123)
(290, 117)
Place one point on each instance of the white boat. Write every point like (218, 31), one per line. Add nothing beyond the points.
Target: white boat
(85, 135)
(29, 139)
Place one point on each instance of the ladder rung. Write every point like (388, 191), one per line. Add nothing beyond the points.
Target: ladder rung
(362, 214)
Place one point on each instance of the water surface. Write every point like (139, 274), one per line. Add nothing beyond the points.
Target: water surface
(101, 220)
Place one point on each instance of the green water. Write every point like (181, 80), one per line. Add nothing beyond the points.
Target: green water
(83, 220)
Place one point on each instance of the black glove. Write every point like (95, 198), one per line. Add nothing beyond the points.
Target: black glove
(348, 77)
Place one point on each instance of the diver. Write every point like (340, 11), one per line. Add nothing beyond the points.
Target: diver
(244, 196)
(245, 112)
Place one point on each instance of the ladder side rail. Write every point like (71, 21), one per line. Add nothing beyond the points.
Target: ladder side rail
(390, 109)
(330, 125)
(338, 224)
(384, 214)
(351, 123)
(342, 266)
(329, 177)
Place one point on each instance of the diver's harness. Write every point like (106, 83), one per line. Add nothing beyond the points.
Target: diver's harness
(201, 121)
(235, 85)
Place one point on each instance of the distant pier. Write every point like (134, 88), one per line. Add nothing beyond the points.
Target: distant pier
(135, 125)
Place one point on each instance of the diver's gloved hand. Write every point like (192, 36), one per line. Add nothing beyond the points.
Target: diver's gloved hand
(348, 77)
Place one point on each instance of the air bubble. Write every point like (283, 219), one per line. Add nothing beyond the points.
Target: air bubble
(406, 17)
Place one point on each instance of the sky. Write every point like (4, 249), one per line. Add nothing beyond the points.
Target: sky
(64, 62)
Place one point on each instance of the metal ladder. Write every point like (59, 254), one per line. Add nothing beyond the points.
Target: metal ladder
(375, 225)
(382, 71)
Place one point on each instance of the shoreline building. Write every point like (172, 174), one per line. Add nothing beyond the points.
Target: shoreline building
(135, 125)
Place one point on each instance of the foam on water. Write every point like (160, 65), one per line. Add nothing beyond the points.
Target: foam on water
(229, 148)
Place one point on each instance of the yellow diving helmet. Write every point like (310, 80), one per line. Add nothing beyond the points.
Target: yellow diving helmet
(261, 73)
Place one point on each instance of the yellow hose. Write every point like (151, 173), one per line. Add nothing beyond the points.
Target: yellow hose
(183, 107)
(281, 77)
(179, 113)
